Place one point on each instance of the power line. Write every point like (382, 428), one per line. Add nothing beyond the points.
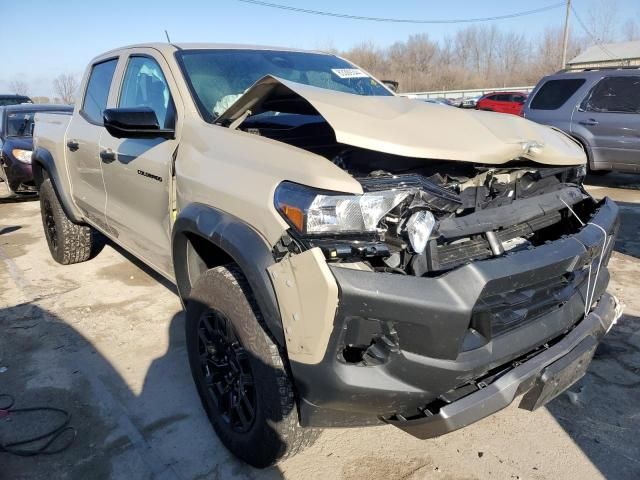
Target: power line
(400, 20)
(593, 37)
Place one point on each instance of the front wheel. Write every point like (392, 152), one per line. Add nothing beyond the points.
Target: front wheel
(239, 371)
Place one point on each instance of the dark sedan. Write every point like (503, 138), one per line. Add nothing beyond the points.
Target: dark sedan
(16, 144)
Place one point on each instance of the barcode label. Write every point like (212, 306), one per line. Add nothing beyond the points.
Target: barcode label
(349, 73)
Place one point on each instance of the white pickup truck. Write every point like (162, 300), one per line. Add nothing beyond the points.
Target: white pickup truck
(345, 256)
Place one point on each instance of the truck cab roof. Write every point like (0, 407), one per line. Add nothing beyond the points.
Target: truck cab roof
(169, 48)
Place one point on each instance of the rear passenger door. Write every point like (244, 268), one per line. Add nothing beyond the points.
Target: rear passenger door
(83, 138)
(138, 171)
(609, 119)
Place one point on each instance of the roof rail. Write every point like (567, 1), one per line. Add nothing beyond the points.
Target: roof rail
(592, 69)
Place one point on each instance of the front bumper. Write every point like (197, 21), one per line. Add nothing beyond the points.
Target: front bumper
(431, 343)
(576, 347)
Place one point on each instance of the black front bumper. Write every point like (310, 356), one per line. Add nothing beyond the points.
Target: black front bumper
(573, 354)
(433, 341)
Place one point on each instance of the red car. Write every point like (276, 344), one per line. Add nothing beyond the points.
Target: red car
(504, 102)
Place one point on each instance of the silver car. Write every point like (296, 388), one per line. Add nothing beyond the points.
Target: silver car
(599, 108)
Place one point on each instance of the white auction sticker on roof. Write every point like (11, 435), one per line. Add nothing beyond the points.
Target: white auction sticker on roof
(349, 73)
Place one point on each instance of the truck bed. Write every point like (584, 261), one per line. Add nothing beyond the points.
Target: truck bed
(50, 134)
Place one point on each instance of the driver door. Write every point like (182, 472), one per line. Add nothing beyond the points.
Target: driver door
(138, 171)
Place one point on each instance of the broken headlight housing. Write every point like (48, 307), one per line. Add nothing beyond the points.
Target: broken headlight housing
(419, 228)
(317, 212)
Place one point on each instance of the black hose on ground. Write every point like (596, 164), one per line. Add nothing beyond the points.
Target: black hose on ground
(19, 447)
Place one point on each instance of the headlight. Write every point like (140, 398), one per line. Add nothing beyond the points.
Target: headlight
(313, 212)
(22, 155)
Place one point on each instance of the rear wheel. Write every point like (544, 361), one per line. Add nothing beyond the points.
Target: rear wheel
(239, 371)
(68, 242)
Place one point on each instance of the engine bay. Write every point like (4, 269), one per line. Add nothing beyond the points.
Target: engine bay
(479, 211)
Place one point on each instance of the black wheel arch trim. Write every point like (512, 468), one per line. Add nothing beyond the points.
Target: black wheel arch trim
(245, 246)
(42, 159)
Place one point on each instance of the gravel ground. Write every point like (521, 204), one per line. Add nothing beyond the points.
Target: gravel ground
(103, 339)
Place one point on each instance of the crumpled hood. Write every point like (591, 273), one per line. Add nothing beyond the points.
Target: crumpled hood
(410, 128)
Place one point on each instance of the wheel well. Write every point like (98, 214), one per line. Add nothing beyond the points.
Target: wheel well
(587, 152)
(39, 173)
(584, 147)
(202, 255)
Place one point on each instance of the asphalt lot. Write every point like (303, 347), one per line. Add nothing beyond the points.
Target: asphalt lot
(103, 339)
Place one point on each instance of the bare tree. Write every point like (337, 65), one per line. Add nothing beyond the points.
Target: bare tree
(485, 56)
(603, 20)
(19, 87)
(630, 30)
(368, 56)
(66, 86)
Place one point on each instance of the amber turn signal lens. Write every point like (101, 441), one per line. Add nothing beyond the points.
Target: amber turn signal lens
(295, 216)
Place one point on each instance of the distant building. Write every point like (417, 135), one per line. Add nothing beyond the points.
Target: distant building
(623, 54)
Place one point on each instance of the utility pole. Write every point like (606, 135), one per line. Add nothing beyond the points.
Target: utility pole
(565, 40)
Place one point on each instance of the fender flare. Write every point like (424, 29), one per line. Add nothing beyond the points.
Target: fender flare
(42, 159)
(245, 246)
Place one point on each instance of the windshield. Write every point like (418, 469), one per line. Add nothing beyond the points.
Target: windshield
(217, 78)
(19, 124)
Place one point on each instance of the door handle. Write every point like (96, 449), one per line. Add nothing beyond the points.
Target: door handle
(72, 145)
(589, 123)
(107, 156)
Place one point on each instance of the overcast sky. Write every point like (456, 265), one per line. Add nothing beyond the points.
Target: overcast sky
(43, 38)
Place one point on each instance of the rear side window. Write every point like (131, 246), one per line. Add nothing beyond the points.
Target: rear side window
(553, 94)
(95, 98)
(503, 97)
(615, 94)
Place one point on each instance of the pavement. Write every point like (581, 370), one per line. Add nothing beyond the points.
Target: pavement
(104, 341)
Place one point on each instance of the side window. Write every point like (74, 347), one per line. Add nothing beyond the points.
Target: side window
(144, 85)
(503, 97)
(518, 98)
(554, 94)
(615, 94)
(95, 98)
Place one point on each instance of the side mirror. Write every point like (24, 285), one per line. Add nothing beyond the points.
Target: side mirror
(135, 122)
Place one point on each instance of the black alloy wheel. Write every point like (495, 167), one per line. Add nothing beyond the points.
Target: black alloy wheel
(225, 366)
(49, 223)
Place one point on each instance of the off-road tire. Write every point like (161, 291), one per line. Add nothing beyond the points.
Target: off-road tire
(275, 433)
(68, 242)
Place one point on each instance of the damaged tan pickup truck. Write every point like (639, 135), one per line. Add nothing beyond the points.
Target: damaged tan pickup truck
(345, 256)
